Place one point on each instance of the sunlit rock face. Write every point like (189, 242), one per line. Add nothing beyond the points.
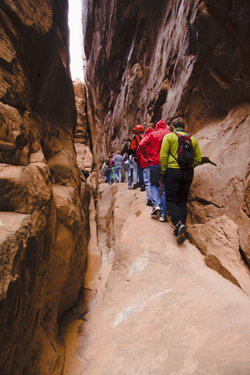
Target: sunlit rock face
(44, 206)
(83, 141)
(148, 60)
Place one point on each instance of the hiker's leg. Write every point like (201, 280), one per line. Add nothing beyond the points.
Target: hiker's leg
(126, 175)
(155, 171)
(140, 174)
(187, 178)
(172, 180)
(146, 177)
(130, 177)
(110, 177)
(164, 210)
(120, 173)
(135, 173)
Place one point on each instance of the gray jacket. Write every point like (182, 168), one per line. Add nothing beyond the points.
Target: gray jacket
(117, 160)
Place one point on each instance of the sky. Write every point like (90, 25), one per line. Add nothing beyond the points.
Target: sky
(75, 27)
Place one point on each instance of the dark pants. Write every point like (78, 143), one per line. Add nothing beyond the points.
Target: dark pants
(130, 177)
(109, 175)
(177, 184)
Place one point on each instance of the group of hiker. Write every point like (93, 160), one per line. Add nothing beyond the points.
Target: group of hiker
(113, 167)
(162, 161)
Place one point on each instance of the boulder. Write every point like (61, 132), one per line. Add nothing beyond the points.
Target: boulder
(218, 240)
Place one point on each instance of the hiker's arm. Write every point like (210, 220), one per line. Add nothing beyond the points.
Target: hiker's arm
(164, 155)
(132, 147)
(197, 158)
(143, 145)
(143, 151)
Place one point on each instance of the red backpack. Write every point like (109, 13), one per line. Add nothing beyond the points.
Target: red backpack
(185, 151)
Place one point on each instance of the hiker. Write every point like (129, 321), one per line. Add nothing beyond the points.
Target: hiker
(109, 173)
(126, 164)
(137, 171)
(178, 175)
(131, 163)
(104, 170)
(113, 168)
(117, 162)
(146, 169)
(150, 147)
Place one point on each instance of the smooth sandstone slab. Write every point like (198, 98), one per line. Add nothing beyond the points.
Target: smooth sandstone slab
(162, 311)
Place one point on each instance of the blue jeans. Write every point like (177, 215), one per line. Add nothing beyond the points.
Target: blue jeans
(126, 171)
(118, 173)
(135, 172)
(155, 179)
(140, 174)
(146, 177)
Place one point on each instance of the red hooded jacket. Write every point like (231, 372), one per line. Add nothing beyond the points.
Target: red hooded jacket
(150, 146)
(143, 161)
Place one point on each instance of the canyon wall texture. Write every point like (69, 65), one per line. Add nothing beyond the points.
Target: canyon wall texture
(44, 228)
(148, 60)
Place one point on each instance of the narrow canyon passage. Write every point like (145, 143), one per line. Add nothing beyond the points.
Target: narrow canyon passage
(158, 309)
(70, 324)
(148, 306)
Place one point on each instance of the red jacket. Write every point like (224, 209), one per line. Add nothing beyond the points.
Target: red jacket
(143, 161)
(150, 146)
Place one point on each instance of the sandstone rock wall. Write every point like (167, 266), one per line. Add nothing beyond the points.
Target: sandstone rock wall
(44, 228)
(82, 139)
(150, 60)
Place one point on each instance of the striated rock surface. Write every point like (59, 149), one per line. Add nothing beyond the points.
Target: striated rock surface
(222, 188)
(44, 229)
(151, 60)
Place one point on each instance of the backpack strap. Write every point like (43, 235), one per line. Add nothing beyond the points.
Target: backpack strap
(140, 136)
(178, 136)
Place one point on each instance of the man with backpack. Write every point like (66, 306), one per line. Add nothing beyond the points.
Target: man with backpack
(180, 154)
(137, 170)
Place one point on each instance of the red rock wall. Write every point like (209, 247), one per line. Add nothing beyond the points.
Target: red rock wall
(44, 228)
(148, 60)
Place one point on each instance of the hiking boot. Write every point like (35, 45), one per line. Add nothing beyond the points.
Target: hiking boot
(163, 218)
(135, 186)
(149, 202)
(143, 187)
(156, 209)
(181, 232)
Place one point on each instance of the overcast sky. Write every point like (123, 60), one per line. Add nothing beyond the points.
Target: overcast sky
(75, 27)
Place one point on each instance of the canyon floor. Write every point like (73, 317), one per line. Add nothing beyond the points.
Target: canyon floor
(152, 307)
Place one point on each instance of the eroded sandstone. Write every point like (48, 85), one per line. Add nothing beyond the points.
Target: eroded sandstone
(44, 228)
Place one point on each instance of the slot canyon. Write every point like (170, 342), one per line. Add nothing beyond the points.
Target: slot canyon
(89, 282)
